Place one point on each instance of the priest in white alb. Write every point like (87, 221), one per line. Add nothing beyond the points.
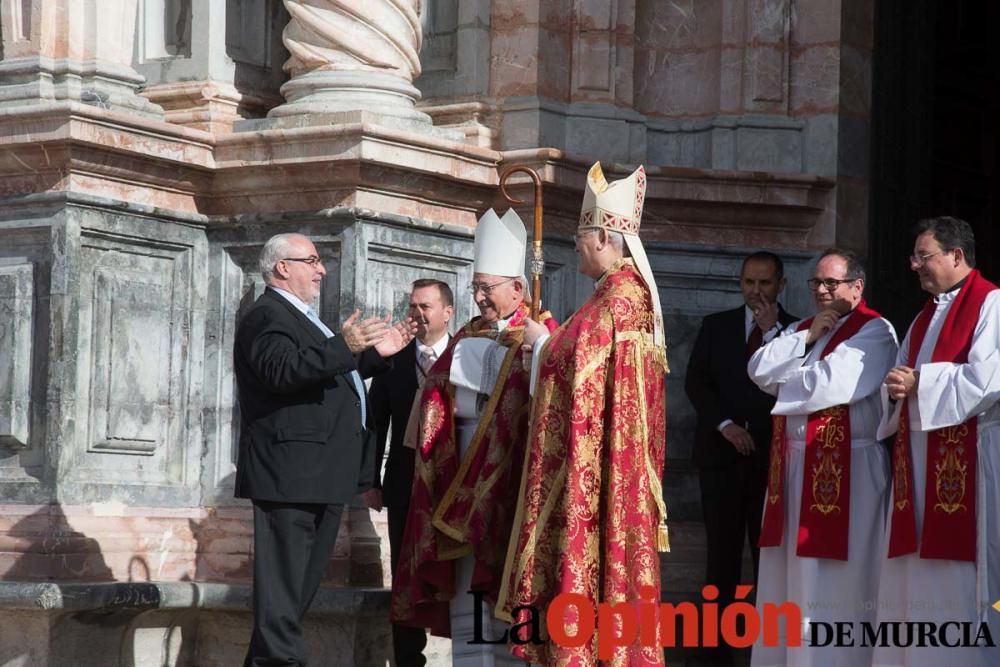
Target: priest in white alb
(470, 436)
(941, 565)
(828, 478)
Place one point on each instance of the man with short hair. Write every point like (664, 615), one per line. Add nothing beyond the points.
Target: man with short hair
(470, 441)
(942, 568)
(392, 396)
(734, 423)
(304, 445)
(828, 476)
(591, 518)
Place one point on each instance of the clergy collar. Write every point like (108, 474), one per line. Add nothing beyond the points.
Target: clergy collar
(958, 285)
(949, 294)
(502, 323)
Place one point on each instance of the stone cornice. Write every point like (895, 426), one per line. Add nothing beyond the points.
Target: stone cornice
(76, 148)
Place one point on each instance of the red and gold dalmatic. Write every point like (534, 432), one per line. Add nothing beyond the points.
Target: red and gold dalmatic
(824, 515)
(463, 505)
(590, 516)
(948, 531)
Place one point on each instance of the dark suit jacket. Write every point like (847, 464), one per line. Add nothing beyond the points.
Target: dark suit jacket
(301, 439)
(719, 387)
(392, 397)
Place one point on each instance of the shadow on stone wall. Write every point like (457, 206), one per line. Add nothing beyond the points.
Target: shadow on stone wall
(348, 623)
(45, 547)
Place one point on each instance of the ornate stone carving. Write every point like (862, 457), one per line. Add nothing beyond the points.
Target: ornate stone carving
(375, 35)
(351, 57)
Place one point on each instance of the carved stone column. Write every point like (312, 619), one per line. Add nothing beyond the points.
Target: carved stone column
(70, 50)
(352, 57)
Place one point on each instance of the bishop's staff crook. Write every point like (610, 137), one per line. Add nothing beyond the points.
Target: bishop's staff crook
(537, 259)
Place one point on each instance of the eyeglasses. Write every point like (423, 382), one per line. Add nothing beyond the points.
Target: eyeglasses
(921, 259)
(311, 260)
(583, 233)
(830, 283)
(487, 289)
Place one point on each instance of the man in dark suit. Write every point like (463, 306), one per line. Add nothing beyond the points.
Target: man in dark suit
(734, 422)
(392, 394)
(305, 447)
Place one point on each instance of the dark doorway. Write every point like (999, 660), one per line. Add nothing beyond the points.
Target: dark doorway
(935, 136)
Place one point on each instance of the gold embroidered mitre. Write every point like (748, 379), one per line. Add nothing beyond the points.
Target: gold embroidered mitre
(616, 206)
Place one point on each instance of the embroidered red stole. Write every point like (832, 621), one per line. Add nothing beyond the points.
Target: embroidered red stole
(949, 524)
(824, 516)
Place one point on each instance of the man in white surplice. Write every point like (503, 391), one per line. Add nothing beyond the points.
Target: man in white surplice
(941, 563)
(827, 493)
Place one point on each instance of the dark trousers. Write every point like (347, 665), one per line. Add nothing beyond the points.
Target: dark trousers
(292, 548)
(407, 643)
(732, 501)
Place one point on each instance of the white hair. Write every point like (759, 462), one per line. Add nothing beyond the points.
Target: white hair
(275, 249)
(523, 279)
(616, 239)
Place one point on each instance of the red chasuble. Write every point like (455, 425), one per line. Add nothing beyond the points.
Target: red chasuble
(824, 515)
(590, 509)
(949, 525)
(461, 506)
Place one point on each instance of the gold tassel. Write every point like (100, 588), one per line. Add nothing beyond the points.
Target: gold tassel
(659, 357)
(663, 538)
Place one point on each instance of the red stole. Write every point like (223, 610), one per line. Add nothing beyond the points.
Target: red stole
(949, 525)
(824, 516)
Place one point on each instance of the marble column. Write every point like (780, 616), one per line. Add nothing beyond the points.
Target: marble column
(346, 59)
(79, 50)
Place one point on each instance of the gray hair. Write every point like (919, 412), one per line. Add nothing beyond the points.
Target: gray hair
(275, 249)
(616, 239)
(525, 285)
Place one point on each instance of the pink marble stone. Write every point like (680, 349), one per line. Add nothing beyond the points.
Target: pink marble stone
(815, 89)
(514, 61)
(817, 22)
(112, 542)
(677, 52)
(664, 83)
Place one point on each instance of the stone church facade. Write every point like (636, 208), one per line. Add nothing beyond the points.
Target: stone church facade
(148, 148)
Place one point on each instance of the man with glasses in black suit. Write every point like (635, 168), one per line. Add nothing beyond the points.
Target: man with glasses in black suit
(305, 446)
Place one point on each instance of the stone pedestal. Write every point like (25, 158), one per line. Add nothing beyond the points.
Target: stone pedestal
(71, 50)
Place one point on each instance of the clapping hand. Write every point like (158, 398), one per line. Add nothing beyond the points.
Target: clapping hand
(362, 335)
(396, 337)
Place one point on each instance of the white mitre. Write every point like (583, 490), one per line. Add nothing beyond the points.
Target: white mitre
(500, 244)
(475, 366)
(618, 207)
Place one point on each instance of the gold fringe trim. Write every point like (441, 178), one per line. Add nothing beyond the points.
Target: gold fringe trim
(655, 484)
